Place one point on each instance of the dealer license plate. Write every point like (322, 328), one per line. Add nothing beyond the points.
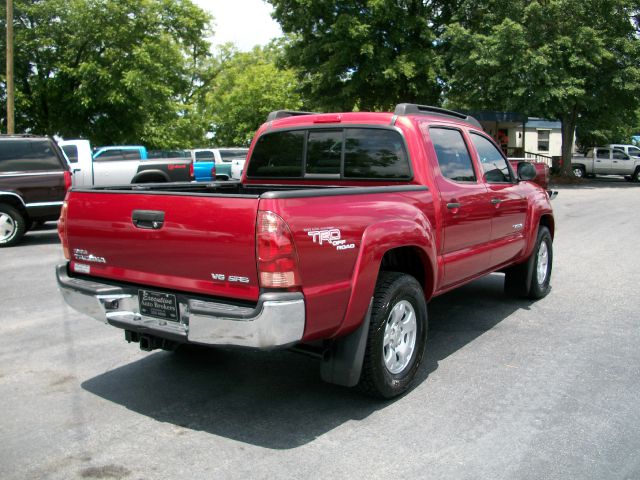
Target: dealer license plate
(158, 305)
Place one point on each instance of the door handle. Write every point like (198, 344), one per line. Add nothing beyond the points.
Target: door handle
(76, 170)
(495, 201)
(453, 205)
(148, 219)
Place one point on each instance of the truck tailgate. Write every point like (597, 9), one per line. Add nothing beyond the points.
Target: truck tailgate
(204, 243)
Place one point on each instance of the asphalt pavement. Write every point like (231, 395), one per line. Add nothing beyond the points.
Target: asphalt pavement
(509, 389)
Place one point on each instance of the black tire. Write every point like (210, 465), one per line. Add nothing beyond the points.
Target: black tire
(523, 280)
(393, 289)
(636, 175)
(12, 226)
(579, 171)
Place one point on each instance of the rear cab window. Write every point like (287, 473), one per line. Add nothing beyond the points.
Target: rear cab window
(28, 155)
(361, 153)
(204, 156)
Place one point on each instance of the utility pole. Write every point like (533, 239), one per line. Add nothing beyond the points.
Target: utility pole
(10, 87)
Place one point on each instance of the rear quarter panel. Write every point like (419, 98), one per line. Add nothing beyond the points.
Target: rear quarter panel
(339, 276)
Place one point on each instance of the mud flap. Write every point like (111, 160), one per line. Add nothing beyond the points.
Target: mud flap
(342, 362)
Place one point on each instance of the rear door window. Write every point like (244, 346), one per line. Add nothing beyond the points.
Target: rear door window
(28, 155)
(115, 155)
(357, 153)
(452, 154)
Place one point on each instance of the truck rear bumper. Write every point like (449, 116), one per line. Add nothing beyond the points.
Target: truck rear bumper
(278, 319)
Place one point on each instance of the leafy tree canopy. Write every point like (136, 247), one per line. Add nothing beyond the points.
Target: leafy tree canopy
(113, 71)
(247, 86)
(362, 54)
(565, 59)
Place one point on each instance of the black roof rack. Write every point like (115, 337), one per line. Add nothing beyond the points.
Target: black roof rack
(414, 109)
(286, 113)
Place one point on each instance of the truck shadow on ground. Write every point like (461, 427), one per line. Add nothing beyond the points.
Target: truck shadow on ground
(276, 399)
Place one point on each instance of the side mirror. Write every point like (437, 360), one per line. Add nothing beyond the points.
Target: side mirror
(526, 171)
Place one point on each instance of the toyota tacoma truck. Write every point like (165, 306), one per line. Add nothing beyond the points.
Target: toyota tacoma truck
(343, 227)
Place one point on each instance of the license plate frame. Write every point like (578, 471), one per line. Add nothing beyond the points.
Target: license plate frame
(163, 306)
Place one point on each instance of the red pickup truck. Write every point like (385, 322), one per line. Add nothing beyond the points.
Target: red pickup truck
(342, 228)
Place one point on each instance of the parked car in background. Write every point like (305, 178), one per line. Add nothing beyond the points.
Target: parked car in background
(117, 166)
(631, 150)
(215, 163)
(606, 161)
(34, 178)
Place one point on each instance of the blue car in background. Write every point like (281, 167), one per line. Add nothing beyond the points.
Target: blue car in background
(215, 163)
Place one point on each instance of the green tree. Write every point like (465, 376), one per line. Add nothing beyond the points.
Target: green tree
(564, 59)
(113, 71)
(247, 86)
(363, 54)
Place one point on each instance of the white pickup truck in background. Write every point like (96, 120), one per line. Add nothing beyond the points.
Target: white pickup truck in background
(121, 169)
(606, 161)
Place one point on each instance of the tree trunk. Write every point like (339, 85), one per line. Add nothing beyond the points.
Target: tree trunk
(568, 133)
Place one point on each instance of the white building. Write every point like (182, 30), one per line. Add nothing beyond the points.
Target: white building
(521, 136)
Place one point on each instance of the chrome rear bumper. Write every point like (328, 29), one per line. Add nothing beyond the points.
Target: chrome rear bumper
(278, 319)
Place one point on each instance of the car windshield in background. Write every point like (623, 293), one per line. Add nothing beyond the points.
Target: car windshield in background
(28, 155)
(358, 153)
(205, 156)
(235, 154)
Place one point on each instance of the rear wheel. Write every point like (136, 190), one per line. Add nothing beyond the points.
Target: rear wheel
(532, 279)
(579, 171)
(397, 336)
(12, 226)
(636, 175)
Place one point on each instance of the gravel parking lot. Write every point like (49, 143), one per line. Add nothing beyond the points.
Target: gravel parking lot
(509, 389)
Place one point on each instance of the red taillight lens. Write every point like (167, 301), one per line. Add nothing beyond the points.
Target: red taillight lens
(62, 231)
(67, 180)
(191, 172)
(276, 252)
(213, 172)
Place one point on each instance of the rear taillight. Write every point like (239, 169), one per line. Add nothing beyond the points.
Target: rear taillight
(62, 230)
(191, 172)
(276, 252)
(213, 171)
(67, 180)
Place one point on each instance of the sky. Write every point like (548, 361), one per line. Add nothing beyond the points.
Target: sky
(244, 22)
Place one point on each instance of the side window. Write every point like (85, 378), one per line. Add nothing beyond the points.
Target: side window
(205, 156)
(543, 140)
(375, 153)
(603, 153)
(494, 165)
(109, 156)
(28, 155)
(620, 155)
(278, 155)
(324, 152)
(452, 154)
(132, 155)
(71, 151)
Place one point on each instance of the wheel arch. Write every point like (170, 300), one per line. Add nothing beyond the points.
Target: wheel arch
(150, 176)
(14, 200)
(394, 245)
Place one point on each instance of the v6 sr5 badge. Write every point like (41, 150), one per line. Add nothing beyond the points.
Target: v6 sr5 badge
(330, 236)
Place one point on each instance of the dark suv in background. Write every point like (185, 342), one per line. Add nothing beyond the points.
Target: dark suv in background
(34, 178)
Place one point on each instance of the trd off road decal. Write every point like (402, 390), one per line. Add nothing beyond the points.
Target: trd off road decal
(329, 236)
